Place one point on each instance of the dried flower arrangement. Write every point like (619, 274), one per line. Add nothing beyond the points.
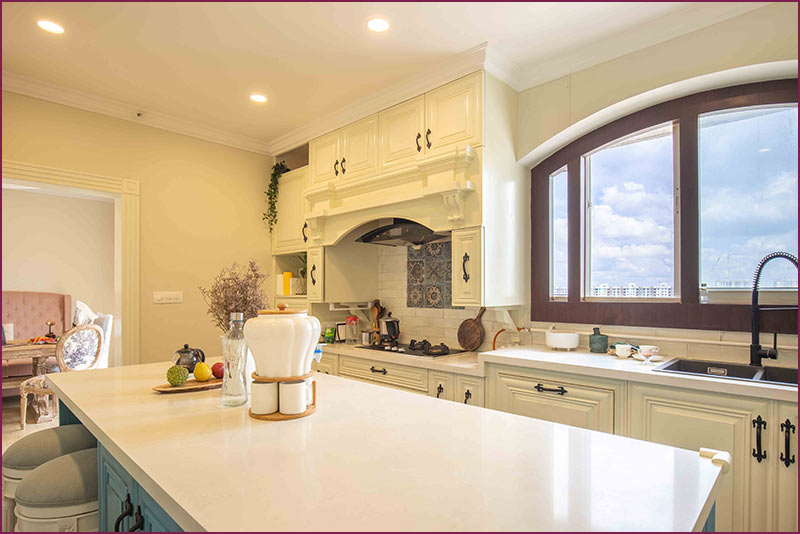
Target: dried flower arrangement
(235, 289)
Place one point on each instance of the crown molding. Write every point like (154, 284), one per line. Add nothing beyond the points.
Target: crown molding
(465, 63)
(24, 85)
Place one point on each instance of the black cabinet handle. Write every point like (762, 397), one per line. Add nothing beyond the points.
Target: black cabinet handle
(376, 370)
(139, 523)
(428, 138)
(313, 280)
(126, 511)
(464, 261)
(439, 390)
(788, 428)
(305, 237)
(560, 389)
(467, 396)
(419, 147)
(343, 169)
(758, 453)
(336, 167)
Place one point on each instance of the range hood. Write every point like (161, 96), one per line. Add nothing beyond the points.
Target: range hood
(402, 233)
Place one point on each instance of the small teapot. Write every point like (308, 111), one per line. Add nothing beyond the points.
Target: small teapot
(188, 358)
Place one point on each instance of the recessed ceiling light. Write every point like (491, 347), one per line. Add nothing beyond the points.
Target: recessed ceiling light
(764, 149)
(51, 27)
(258, 98)
(378, 25)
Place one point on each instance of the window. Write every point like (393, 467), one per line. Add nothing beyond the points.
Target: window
(686, 195)
(558, 235)
(748, 199)
(630, 223)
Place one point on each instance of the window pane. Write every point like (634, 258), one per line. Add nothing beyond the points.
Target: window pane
(748, 195)
(631, 225)
(558, 234)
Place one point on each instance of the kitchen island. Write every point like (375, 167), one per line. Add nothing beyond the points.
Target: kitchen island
(374, 459)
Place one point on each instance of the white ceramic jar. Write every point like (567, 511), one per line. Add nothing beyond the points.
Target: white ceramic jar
(282, 341)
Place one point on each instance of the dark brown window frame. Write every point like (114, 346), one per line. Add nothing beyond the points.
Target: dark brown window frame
(688, 313)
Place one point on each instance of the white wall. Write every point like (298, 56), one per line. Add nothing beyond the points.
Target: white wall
(54, 243)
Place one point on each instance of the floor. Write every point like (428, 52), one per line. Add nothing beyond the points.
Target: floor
(11, 430)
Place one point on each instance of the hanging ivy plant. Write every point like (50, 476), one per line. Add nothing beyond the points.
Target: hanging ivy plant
(271, 215)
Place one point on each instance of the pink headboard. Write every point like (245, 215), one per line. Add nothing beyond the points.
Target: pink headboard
(29, 311)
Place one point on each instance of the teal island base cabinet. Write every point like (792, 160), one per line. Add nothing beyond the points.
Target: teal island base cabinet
(124, 504)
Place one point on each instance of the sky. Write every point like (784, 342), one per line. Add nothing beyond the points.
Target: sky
(748, 203)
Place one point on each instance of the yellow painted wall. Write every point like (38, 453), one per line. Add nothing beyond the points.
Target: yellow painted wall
(201, 205)
(759, 36)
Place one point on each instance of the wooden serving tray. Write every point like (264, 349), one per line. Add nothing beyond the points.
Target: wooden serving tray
(190, 385)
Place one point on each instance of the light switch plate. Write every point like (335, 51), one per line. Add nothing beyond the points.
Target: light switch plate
(167, 297)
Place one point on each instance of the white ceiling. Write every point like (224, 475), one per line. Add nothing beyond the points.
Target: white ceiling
(197, 64)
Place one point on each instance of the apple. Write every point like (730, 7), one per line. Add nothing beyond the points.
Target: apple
(218, 369)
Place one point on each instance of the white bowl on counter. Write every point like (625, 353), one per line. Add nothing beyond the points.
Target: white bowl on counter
(561, 340)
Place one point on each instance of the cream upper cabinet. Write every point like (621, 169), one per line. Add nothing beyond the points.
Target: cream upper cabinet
(359, 149)
(290, 232)
(467, 267)
(690, 420)
(454, 115)
(324, 159)
(784, 451)
(401, 133)
(315, 264)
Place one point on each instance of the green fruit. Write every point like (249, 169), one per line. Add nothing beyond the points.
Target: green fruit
(177, 375)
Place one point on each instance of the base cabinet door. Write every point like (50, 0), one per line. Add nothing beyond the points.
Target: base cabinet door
(785, 455)
(469, 390)
(467, 267)
(315, 264)
(290, 232)
(441, 385)
(115, 489)
(690, 420)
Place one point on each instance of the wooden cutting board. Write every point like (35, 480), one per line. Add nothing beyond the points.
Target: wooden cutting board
(190, 385)
(470, 333)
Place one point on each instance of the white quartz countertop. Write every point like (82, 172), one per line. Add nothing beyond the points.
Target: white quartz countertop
(605, 366)
(464, 363)
(373, 458)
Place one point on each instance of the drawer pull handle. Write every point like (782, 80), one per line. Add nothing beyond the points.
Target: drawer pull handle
(560, 389)
(139, 520)
(127, 510)
(758, 453)
(439, 390)
(787, 427)
(467, 396)
(419, 147)
(376, 370)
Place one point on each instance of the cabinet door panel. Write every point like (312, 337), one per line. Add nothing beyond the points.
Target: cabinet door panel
(401, 129)
(469, 390)
(691, 420)
(155, 518)
(359, 149)
(453, 114)
(323, 159)
(441, 385)
(786, 489)
(287, 235)
(582, 406)
(390, 374)
(114, 487)
(315, 285)
(467, 267)
(327, 364)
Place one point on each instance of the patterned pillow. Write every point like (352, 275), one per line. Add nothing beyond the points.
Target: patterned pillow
(80, 349)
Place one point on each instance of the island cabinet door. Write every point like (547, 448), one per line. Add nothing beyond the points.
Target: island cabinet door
(552, 399)
(739, 425)
(154, 518)
(401, 130)
(115, 489)
(785, 458)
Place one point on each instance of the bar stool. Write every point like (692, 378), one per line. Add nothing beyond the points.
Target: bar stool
(60, 495)
(22, 457)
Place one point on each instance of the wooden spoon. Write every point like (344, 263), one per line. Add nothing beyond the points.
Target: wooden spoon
(470, 333)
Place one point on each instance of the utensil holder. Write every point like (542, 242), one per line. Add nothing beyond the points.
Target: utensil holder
(277, 416)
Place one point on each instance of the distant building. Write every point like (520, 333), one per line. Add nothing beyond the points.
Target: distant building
(633, 290)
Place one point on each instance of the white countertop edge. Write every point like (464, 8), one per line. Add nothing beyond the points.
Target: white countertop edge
(462, 363)
(173, 509)
(603, 366)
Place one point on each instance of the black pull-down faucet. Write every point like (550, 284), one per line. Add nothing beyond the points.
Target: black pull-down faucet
(756, 352)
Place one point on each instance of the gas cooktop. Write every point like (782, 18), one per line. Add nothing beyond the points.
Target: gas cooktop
(415, 348)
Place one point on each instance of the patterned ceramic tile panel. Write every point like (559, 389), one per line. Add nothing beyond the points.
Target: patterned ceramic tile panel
(428, 276)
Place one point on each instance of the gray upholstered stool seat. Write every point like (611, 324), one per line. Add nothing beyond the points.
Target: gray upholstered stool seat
(35, 449)
(59, 495)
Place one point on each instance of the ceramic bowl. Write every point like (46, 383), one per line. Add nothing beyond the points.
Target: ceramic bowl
(561, 340)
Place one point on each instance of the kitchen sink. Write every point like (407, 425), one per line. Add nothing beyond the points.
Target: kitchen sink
(775, 375)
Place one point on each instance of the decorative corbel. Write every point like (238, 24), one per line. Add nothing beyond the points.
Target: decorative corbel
(454, 202)
(315, 228)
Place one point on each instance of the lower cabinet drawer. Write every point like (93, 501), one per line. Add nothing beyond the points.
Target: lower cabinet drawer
(469, 390)
(441, 385)
(327, 364)
(554, 400)
(389, 374)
